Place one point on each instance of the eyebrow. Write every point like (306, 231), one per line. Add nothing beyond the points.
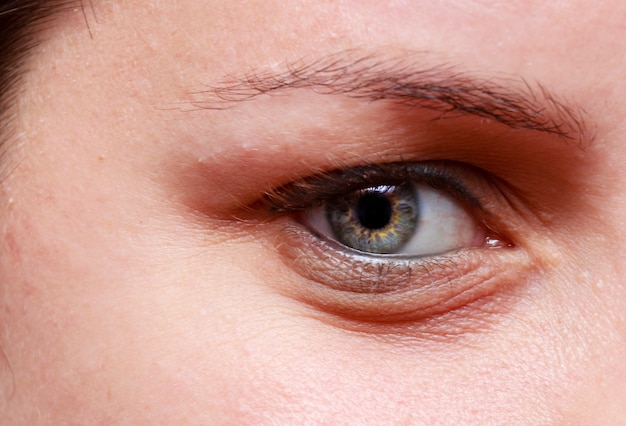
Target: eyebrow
(512, 101)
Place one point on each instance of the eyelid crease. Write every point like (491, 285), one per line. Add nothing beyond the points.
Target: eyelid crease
(310, 191)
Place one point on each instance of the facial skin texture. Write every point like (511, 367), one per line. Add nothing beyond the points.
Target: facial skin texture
(138, 288)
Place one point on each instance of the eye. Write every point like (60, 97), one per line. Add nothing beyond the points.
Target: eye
(408, 219)
(397, 242)
(409, 210)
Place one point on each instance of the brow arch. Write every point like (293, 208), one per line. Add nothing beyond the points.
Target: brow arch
(510, 100)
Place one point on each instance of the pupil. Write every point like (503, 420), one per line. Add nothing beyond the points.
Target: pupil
(374, 211)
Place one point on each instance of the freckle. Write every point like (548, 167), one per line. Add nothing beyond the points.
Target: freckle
(100, 157)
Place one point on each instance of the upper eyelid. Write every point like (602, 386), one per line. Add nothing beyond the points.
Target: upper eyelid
(306, 192)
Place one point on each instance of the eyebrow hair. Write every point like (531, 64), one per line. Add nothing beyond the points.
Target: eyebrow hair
(512, 101)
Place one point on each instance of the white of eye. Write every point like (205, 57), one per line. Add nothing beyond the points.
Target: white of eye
(444, 225)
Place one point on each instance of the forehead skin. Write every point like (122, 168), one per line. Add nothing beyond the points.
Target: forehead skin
(124, 304)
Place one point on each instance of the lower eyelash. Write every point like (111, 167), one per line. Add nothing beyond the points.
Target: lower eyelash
(354, 271)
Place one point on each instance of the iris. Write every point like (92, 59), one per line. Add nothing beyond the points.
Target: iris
(380, 219)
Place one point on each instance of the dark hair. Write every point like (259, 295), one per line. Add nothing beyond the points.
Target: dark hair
(20, 22)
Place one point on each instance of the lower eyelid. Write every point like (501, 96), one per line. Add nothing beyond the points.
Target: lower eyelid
(394, 289)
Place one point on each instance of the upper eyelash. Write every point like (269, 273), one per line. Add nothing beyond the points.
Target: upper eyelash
(314, 190)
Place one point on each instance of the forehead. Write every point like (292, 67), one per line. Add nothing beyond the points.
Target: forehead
(492, 35)
(170, 45)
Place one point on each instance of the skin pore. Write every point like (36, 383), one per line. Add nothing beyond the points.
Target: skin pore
(162, 258)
